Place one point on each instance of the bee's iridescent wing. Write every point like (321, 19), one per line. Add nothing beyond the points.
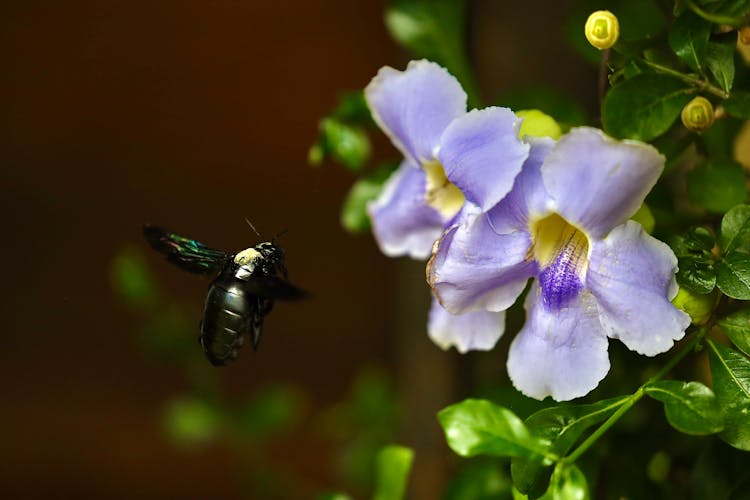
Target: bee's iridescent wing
(187, 254)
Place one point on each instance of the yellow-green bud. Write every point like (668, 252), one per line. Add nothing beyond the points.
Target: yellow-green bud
(645, 218)
(538, 124)
(699, 307)
(698, 114)
(602, 29)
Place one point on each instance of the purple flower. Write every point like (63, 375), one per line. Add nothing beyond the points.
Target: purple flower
(450, 156)
(423, 111)
(597, 276)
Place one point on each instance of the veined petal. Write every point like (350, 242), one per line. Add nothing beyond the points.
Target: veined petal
(402, 221)
(597, 182)
(632, 276)
(413, 107)
(473, 267)
(473, 331)
(482, 154)
(559, 352)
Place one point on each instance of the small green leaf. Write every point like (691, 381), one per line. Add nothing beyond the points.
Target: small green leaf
(690, 407)
(717, 186)
(696, 275)
(348, 144)
(567, 483)
(730, 372)
(433, 29)
(333, 495)
(733, 275)
(352, 108)
(689, 39)
(393, 464)
(192, 422)
(132, 279)
(479, 427)
(479, 479)
(562, 426)
(738, 105)
(354, 216)
(720, 59)
(735, 229)
(643, 107)
(737, 328)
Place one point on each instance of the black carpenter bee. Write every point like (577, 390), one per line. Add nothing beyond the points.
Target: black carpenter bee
(239, 298)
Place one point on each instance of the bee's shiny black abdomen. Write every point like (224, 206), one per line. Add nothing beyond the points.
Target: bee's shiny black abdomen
(226, 319)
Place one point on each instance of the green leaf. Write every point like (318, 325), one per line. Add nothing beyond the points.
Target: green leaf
(738, 105)
(567, 483)
(132, 279)
(479, 427)
(735, 229)
(192, 422)
(352, 108)
(393, 464)
(717, 186)
(730, 372)
(434, 29)
(720, 59)
(733, 275)
(333, 495)
(690, 407)
(737, 328)
(562, 426)
(696, 274)
(479, 479)
(689, 39)
(354, 216)
(643, 107)
(349, 145)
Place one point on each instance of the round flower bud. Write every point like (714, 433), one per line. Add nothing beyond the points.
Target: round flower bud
(538, 124)
(745, 35)
(699, 307)
(602, 29)
(698, 115)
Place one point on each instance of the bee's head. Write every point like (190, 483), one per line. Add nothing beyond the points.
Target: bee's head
(270, 251)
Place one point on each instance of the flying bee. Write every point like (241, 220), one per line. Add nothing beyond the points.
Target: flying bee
(240, 296)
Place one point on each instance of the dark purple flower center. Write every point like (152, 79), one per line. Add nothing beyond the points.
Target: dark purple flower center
(562, 253)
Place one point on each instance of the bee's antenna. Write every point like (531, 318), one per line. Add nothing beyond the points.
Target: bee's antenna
(253, 228)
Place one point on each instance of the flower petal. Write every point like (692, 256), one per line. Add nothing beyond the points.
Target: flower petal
(402, 221)
(473, 267)
(473, 331)
(559, 352)
(482, 154)
(413, 107)
(631, 274)
(528, 198)
(597, 182)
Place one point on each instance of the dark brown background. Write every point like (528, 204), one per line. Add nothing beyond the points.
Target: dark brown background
(194, 115)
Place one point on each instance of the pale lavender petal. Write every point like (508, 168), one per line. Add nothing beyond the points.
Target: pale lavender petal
(473, 267)
(413, 107)
(473, 331)
(597, 182)
(528, 198)
(402, 221)
(482, 154)
(631, 274)
(559, 352)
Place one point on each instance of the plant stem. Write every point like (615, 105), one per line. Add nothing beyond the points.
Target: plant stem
(696, 82)
(633, 398)
(714, 18)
